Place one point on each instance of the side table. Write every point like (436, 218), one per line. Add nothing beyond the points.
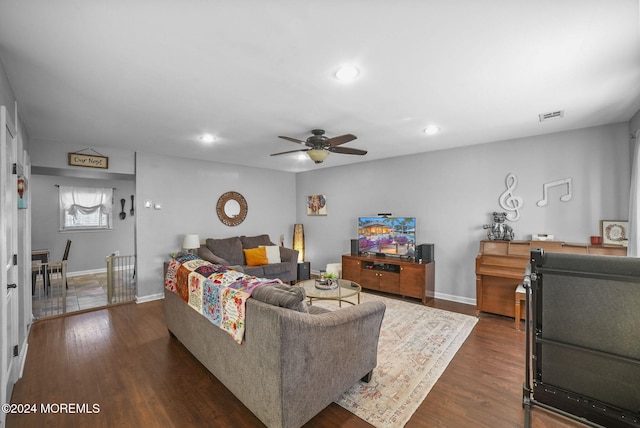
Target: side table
(304, 271)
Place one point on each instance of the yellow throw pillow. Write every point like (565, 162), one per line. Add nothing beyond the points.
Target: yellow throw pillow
(256, 256)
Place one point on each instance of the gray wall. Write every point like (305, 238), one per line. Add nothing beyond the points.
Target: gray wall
(88, 248)
(452, 192)
(188, 191)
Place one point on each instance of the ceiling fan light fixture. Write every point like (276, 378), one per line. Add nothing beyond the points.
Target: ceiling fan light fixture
(347, 73)
(318, 155)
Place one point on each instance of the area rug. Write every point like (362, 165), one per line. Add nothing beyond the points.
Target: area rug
(416, 345)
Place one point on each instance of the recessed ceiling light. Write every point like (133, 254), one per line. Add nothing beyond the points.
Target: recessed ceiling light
(347, 73)
(431, 129)
(208, 138)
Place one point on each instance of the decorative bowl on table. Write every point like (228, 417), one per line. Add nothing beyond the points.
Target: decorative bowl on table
(326, 284)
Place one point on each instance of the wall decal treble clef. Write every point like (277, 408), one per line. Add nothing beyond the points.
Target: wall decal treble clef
(508, 202)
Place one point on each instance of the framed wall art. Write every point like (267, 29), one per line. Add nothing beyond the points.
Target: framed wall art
(317, 205)
(22, 192)
(614, 232)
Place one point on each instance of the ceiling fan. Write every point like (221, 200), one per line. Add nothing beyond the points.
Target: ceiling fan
(319, 146)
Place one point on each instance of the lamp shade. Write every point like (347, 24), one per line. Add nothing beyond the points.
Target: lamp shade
(298, 241)
(318, 155)
(191, 242)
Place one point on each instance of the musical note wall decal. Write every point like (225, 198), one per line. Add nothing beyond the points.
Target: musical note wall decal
(507, 201)
(545, 191)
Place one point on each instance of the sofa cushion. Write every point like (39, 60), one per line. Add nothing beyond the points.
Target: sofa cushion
(284, 296)
(273, 253)
(255, 241)
(275, 269)
(229, 249)
(255, 256)
(255, 271)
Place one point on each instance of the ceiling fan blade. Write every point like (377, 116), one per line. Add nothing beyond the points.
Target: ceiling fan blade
(347, 151)
(336, 141)
(293, 140)
(290, 151)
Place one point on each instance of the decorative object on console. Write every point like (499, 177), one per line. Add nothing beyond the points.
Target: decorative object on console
(509, 202)
(545, 190)
(191, 243)
(320, 146)
(317, 205)
(541, 237)
(232, 208)
(498, 231)
(298, 241)
(596, 240)
(614, 232)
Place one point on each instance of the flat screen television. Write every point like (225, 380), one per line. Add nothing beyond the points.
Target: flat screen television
(395, 236)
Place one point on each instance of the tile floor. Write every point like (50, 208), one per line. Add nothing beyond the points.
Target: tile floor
(84, 292)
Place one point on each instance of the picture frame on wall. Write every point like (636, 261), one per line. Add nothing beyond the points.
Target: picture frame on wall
(317, 205)
(22, 192)
(614, 232)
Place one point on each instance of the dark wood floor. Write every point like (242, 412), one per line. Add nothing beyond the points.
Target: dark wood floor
(123, 360)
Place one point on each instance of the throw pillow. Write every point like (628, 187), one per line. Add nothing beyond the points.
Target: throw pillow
(256, 256)
(273, 253)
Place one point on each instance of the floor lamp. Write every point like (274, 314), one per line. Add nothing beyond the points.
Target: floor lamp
(298, 240)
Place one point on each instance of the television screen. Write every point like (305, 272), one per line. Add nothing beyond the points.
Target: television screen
(387, 235)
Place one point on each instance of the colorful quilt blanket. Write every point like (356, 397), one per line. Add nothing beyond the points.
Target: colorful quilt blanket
(215, 291)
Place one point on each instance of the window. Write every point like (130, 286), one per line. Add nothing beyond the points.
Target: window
(85, 208)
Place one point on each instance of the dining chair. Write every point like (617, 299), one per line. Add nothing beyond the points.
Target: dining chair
(56, 267)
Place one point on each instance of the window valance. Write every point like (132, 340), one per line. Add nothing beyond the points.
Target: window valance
(86, 200)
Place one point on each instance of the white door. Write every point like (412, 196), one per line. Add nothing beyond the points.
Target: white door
(8, 255)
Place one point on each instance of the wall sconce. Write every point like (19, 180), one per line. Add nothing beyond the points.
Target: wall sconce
(298, 241)
(191, 243)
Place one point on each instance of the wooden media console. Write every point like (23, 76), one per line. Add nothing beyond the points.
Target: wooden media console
(391, 275)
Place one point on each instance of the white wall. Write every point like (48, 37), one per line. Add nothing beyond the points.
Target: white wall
(452, 192)
(188, 191)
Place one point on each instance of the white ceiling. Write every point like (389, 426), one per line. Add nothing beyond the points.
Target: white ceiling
(153, 75)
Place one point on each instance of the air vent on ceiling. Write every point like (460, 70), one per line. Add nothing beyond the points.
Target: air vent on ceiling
(552, 115)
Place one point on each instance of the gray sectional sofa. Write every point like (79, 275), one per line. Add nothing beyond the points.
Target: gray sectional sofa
(229, 252)
(295, 359)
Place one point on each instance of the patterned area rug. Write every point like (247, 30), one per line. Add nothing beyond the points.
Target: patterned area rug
(416, 345)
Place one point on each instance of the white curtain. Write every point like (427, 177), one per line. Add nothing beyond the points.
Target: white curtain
(86, 200)
(634, 201)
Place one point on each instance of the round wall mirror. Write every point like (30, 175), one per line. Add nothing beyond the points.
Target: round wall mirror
(231, 208)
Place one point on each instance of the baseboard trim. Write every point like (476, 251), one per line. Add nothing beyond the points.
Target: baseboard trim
(149, 298)
(23, 356)
(458, 299)
(86, 272)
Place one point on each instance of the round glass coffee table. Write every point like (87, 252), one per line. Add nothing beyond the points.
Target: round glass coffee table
(344, 289)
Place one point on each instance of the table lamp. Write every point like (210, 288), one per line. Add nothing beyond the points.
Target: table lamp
(191, 243)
